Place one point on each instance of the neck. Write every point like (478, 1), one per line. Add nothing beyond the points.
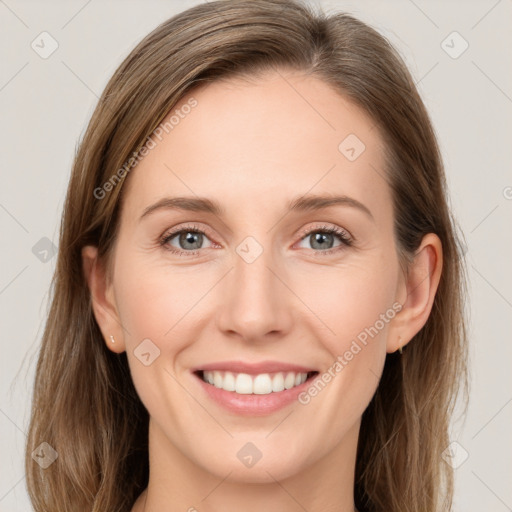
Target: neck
(177, 483)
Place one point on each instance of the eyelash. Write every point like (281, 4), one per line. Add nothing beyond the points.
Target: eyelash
(342, 235)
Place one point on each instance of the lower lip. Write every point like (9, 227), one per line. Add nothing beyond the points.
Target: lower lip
(254, 405)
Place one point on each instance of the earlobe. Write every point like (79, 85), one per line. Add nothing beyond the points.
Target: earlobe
(420, 289)
(102, 299)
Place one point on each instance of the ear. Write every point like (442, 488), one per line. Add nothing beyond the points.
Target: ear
(417, 292)
(103, 299)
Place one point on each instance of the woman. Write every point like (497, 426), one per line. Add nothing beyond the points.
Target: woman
(306, 351)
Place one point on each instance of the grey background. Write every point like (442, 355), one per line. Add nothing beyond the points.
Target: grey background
(46, 104)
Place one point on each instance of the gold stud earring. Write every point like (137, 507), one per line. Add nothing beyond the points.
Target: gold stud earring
(112, 338)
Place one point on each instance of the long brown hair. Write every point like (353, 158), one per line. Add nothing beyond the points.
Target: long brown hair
(84, 403)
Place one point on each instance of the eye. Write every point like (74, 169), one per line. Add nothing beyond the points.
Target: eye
(323, 237)
(187, 240)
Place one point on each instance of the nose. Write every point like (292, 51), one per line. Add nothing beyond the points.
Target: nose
(256, 304)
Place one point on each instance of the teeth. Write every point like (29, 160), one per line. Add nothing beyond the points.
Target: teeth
(262, 384)
(243, 384)
(228, 383)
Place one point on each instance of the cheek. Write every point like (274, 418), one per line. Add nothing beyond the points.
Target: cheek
(356, 305)
(350, 301)
(150, 299)
(163, 305)
(357, 312)
(152, 312)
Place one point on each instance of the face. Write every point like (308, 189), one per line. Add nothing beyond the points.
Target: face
(275, 282)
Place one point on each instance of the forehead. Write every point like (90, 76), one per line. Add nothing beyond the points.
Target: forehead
(251, 142)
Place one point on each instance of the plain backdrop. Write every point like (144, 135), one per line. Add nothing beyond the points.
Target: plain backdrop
(46, 103)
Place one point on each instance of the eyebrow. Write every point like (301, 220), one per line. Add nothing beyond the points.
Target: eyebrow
(299, 204)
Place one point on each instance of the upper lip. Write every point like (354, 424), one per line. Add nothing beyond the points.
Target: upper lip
(253, 368)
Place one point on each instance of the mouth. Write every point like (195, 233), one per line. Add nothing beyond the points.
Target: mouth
(255, 384)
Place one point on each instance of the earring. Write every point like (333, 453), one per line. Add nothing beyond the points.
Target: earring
(400, 347)
(112, 338)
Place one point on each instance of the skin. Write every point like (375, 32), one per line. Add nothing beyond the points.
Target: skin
(253, 146)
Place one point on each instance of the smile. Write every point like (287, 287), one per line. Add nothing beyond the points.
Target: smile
(260, 384)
